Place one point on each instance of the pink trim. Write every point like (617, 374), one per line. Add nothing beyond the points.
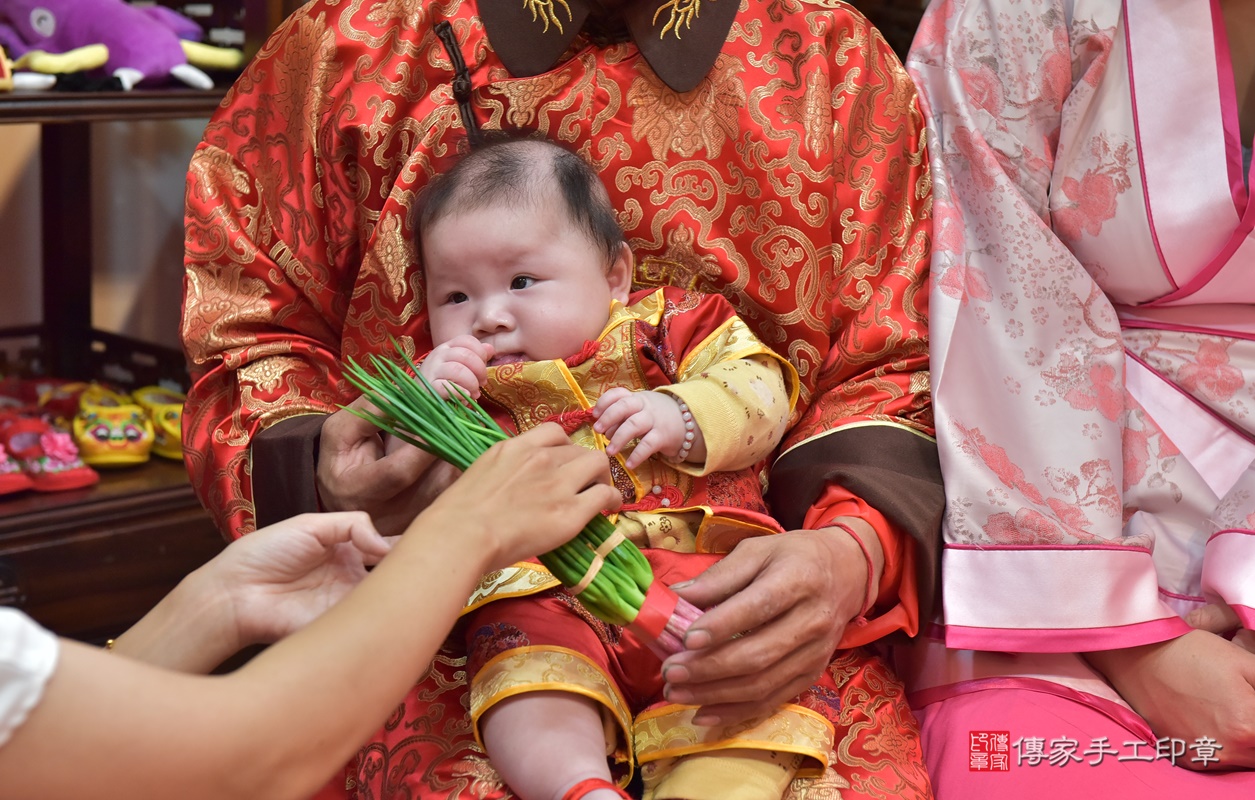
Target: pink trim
(1126, 322)
(1189, 598)
(1228, 563)
(1246, 614)
(1214, 267)
(935, 694)
(1048, 599)
(1070, 548)
(1229, 109)
(1194, 224)
(1236, 320)
(1187, 396)
(1076, 640)
(1238, 531)
(1122, 715)
(1141, 156)
(1219, 452)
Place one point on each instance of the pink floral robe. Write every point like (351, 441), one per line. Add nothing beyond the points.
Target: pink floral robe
(1093, 349)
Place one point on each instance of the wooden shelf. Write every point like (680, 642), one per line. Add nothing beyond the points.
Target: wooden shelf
(25, 517)
(123, 361)
(87, 563)
(69, 342)
(140, 104)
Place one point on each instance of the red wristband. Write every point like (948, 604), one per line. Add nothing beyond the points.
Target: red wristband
(872, 589)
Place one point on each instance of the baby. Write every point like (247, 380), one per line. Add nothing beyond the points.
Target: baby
(528, 282)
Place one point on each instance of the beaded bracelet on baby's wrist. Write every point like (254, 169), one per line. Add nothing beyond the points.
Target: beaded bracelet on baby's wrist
(690, 427)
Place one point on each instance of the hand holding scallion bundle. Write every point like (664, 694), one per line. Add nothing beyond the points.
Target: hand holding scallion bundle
(606, 572)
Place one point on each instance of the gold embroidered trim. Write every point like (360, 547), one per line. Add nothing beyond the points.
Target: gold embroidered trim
(869, 423)
(669, 731)
(516, 580)
(550, 668)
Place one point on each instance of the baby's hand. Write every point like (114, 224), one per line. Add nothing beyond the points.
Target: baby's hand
(653, 417)
(461, 361)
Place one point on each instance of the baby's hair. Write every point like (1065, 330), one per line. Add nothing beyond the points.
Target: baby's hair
(521, 171)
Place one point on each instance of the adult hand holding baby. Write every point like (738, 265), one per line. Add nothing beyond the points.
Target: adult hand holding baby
(359, 470)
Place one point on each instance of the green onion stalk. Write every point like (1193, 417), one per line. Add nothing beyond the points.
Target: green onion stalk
(608, 574)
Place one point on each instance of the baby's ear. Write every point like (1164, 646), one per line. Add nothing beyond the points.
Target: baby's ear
(619, 276)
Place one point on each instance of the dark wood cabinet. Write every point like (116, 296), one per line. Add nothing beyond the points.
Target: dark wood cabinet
(66, 345)
(88, 563)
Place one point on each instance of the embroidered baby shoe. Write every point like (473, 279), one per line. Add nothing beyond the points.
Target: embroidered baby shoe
(165, 409)
(12, 478)
(111, 430)
(47, 455)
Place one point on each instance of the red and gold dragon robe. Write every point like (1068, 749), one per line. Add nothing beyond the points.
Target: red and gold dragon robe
(792, 180)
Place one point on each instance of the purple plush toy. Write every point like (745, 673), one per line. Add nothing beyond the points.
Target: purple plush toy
(150, 44)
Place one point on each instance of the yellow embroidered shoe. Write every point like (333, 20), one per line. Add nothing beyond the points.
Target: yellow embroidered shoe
(111, 430)
(165, 409)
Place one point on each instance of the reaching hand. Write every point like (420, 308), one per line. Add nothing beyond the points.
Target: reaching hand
(360, 470)
(524, 496)
(653, 417)
(1197, 685)
(781, 604)
(283, 576)
(462, 361)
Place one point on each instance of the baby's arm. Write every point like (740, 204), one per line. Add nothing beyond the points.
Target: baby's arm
(657, 419)
(745, 402)
(461, 361)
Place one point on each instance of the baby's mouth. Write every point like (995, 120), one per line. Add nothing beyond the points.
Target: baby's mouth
(506, 358)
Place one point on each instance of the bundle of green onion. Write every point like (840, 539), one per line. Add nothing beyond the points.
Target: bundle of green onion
(609, 575)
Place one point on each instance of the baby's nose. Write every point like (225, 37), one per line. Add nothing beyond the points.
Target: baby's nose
(493, 317)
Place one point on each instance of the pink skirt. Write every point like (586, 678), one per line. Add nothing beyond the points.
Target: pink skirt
(1029, 744)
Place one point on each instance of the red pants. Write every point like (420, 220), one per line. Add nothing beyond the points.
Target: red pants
(427, 751)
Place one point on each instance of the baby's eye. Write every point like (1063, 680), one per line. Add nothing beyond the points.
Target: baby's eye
(522, 282)
(456, 297)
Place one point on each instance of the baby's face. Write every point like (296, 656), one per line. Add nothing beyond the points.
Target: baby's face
(524, 280)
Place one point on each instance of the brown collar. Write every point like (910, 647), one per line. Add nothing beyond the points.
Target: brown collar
(679, 38)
